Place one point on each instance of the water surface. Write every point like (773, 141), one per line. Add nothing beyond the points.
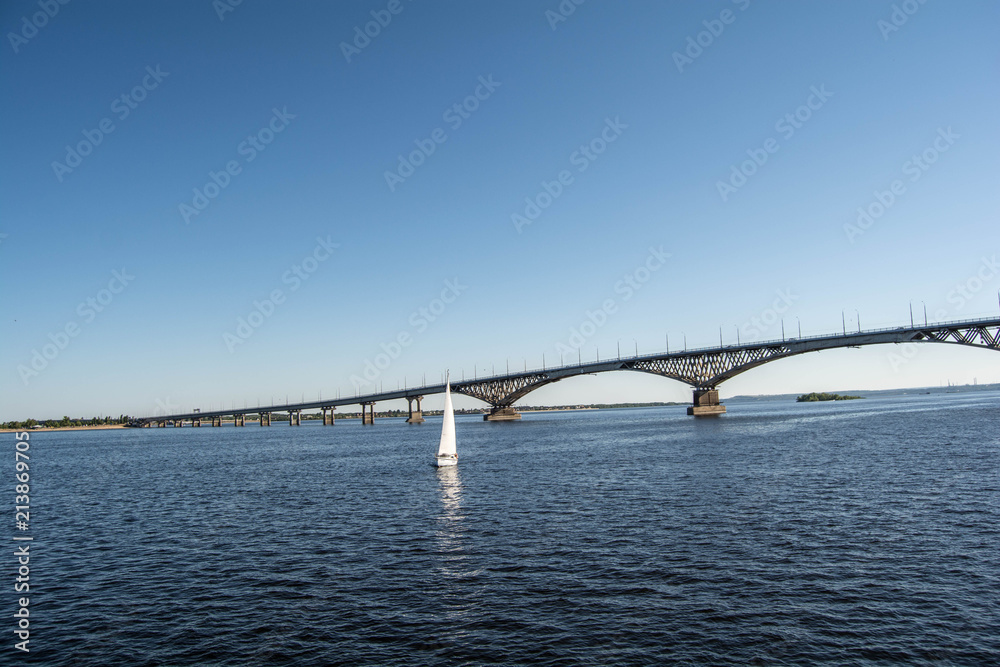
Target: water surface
(858, 532)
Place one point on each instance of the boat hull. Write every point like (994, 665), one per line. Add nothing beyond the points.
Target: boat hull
(442, 461)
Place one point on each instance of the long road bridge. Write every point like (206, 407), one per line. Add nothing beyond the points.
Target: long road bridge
(704, 369)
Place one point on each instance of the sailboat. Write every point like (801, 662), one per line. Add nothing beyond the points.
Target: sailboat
(447, 454)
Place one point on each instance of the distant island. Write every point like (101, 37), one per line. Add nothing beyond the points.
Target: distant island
(809, 398)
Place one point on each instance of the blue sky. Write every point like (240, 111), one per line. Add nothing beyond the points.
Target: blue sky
(664, 133)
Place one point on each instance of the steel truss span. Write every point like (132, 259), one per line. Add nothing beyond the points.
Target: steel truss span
(703, 369)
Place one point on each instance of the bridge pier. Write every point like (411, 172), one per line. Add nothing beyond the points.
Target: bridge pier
(178, 423)
(502, 413)
(706, 403)
(416, 417)
(161, 423)
(265, 418)
(294, 418)
(239, 420)
(196, 422)
(367, 414)
(329, 421)
(217, 421)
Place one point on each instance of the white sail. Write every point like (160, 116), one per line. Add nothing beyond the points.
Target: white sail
(447, 446)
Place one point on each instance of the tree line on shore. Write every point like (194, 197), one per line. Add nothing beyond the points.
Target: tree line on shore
(67, 422)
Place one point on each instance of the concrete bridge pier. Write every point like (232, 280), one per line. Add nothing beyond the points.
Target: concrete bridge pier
(502, 413)
(706, 403)
(416, 416)
(161, 423)
(367, 414)
(178, 423)
(265, 418)
(294, 418)
(217, 421)
(239, 420)
(329, 421)
(196, 422)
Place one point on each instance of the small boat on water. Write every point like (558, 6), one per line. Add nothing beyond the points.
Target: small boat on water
(447, 455)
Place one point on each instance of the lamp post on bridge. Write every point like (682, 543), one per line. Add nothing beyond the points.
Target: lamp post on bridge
(636, 346)
(858, 315)
(925, 313)
(800, 325)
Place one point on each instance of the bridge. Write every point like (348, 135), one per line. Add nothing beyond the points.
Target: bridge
(704, 369)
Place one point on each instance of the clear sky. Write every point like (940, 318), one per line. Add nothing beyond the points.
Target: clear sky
(519, 161)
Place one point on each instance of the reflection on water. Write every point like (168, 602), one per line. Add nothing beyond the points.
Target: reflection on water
(456, 567)
(450, 529)
(450, 487)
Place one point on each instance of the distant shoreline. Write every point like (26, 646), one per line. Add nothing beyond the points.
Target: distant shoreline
(99, 427)
(867, 393)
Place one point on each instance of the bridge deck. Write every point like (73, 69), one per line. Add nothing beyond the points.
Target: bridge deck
(734, 359)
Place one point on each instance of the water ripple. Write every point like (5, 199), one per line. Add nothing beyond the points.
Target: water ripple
(777, 535)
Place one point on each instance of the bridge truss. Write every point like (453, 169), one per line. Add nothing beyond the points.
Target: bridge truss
(702, 369)
(707, 369)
